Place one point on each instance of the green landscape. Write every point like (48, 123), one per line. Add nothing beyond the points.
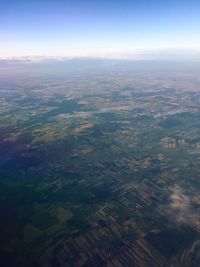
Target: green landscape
(99, 164)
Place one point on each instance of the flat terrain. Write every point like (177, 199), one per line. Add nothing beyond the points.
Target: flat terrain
(99, 164)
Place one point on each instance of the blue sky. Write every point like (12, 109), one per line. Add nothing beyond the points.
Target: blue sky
(92, 28)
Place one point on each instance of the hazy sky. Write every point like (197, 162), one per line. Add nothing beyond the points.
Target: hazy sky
(96, 27)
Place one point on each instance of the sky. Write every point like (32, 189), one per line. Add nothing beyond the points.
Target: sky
(105, 28)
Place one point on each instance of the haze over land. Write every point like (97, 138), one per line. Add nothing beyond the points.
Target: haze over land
(99, 133)
(99, 163)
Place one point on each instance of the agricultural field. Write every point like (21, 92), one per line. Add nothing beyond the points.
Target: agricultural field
(99, 165)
